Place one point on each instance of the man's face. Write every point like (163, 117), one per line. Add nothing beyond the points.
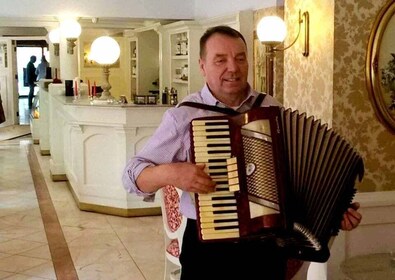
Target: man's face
(225, 66)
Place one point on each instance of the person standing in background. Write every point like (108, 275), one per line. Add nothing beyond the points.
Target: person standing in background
(41, 70)
(31, 79)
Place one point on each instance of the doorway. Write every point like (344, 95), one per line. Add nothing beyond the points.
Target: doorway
(24, 50)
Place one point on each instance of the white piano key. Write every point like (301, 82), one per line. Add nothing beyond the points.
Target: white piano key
(206, 149)
(213, 225)
(212, 219)
(216, 202)
(204, 143)
(208, 122)
(217, 208)
(221, 235)
(210, 133)
(211, 127)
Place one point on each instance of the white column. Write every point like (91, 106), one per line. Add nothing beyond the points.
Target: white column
(54, 59)
(68, 62)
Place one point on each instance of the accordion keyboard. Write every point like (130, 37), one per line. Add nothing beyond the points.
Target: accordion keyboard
(218, 210)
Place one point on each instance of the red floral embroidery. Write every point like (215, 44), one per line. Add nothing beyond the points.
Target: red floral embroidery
(172, 206)
(173, 248)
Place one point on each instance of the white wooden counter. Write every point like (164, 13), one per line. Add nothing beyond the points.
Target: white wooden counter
(44, 116)
(90, 145)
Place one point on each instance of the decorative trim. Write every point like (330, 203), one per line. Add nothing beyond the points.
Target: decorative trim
(122, 212)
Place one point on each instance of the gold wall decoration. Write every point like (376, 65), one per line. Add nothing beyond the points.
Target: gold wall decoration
(380, 66)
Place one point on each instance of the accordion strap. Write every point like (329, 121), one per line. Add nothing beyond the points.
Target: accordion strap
(227, 111)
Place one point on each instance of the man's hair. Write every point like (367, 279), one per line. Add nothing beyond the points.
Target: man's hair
(220, 29)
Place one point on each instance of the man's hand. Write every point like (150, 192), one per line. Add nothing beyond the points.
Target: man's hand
(351, 218)
(183, 175)
(192, 178)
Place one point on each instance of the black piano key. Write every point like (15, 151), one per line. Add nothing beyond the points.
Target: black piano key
(225, 227)
(217, 152)
(215, 136)
(222, 197)
(221, 182)
(218, 221)
(216, 129)
(217, 173)
(223, 204)
(214, 167)
(214, 123)
(217, 145)
(216, 160)
(224, 211)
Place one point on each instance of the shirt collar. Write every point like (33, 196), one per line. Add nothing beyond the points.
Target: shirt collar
(208, 98)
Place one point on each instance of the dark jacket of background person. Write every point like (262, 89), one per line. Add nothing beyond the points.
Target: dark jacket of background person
(2, 114)
(31, 76)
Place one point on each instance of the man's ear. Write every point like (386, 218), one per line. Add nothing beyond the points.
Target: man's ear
(201, 67)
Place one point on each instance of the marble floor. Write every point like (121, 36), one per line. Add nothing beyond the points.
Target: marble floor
(43, 235)
(24, 112)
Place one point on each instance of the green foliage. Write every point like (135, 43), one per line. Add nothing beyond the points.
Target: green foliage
(388, 73)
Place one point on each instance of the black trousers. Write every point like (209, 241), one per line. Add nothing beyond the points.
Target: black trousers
(229, 260)
(31, 95)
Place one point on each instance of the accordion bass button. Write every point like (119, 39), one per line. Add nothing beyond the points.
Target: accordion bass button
(250, 168)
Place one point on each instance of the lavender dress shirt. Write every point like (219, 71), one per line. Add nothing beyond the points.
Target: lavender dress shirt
(171, 141)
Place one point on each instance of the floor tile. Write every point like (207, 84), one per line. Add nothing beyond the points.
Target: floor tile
(101, 246)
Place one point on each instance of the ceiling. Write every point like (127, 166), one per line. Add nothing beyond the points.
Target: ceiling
(22, 31)
(32, 27)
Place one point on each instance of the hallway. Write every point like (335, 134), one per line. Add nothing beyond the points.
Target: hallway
(100, 246)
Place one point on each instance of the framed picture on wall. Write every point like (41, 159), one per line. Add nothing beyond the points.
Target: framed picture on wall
(380, 66)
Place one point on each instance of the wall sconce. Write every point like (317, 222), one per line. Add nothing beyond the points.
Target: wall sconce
(71, 30)
(54, 37)
(105, 51)
(271, 31)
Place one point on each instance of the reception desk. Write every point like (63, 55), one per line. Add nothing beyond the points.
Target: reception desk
(90, 145)
(44, 115)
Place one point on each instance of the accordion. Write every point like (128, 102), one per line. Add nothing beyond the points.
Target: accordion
(280, 175)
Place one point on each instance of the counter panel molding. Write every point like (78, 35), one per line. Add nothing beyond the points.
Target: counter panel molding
(90, 145)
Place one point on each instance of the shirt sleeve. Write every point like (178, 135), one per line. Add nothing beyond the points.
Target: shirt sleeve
(166, 145)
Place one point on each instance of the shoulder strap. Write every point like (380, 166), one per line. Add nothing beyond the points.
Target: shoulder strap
(259, 100)
(227, 111)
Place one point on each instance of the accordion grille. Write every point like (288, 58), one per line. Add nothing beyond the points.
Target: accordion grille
(261, 176)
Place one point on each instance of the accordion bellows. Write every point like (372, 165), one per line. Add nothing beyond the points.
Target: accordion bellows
(280, 175)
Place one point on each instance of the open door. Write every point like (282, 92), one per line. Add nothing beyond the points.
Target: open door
(14, 77)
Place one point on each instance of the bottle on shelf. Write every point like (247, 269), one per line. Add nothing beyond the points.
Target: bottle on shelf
(165, 95)
(178, 46)
(184, 73)
(184, 44)
(173, 96)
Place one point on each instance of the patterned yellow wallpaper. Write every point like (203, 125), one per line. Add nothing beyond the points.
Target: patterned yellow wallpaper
(355, 117)
(330, 83)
